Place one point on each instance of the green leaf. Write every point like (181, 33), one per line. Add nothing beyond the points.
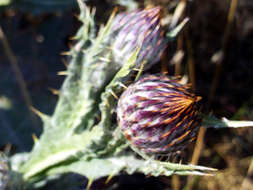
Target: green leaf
(66, 133)
(97, 168)
(59, 144)
(213, 122)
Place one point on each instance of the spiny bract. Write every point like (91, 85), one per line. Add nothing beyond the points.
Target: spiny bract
(158, 115)
(141, 28)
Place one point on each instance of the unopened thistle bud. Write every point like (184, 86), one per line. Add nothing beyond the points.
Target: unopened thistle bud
(158, 115)
(138, 29)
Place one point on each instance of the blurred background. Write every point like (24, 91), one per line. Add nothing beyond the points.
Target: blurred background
(215, 51)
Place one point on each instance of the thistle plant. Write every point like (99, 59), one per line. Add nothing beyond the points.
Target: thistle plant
(82, 136)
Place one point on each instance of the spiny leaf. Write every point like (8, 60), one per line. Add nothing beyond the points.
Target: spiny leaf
(69, 134)
(213, 122)
(97, 168)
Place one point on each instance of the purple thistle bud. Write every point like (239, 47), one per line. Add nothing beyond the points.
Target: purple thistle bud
(158, 115)
(138, 29)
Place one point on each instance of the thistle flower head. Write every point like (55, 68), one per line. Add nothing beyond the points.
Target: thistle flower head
(140, 28)
(158, 115)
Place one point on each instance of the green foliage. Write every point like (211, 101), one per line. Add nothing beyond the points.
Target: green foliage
(67, 133)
